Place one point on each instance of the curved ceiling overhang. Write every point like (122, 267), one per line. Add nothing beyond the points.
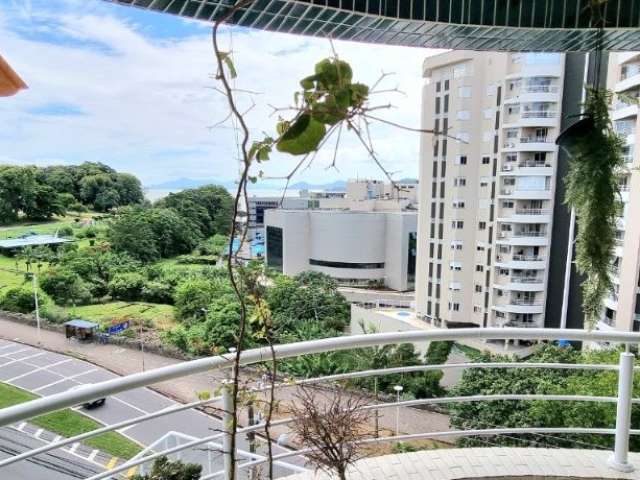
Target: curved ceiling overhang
(501, 25)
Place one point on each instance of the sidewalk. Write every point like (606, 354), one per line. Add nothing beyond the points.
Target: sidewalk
(125, 361)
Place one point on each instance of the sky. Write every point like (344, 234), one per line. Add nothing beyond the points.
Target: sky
(135, 90)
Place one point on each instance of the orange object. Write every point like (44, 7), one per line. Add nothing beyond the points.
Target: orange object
(10, 82)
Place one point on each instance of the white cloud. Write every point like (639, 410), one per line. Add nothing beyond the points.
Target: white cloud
(147, 101)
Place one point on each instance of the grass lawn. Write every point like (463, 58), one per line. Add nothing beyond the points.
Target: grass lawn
(161, 315)
(48, 227)
(9, 278)
(69, 423)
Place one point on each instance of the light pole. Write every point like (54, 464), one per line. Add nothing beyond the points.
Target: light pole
(35, 298)
(398, 389)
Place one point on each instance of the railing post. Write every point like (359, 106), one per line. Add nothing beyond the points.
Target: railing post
(227, 425)
(619, 459)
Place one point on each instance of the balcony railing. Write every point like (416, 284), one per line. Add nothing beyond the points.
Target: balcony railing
(534, 164)
(535, 140)
(69, 398)
(532, 211)
(525, 303)
(527, 258)
(539, 89)
(530, 234)
(516, 279)
(631, 70)
(539, 114)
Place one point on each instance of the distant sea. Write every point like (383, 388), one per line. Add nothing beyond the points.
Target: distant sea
(152, 194)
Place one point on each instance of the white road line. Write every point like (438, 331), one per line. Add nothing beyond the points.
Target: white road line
(39, 369)
(74, 447)
(129, 404)
(92, 455)
(21, 426)
(22, 360)
(57, 439)
(39, 432)
(63, 379)
(9, 344)
(6, 354)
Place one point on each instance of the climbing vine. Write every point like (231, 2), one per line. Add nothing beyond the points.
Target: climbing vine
(593, 191)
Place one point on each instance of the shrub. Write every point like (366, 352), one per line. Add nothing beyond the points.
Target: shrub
(21, 300)
(65, 231)
(157, 292)
(54, 313)
(66, 287)
(127, 286)
(193, 296)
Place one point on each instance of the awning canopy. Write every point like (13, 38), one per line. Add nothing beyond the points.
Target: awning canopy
(10, 82)
(507, 25)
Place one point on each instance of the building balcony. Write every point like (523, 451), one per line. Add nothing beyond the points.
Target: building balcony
(528, 144)
(520, 283)
(520, 306)
(624, 111)
(529, 239)
(521, 262)
(630, 81)
(527, 168)
(518, 193)
(527, 215)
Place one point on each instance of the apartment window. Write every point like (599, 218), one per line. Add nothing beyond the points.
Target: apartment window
(456, 246)
(478, 288)
(435, 169)
(431, 269)
(461, 160)
(507, 204)
(479, 248)
(499, 96)
(499, 314)
(443, 168)
(504, 249)
(446, 104)
(433, 209)
(437, 105)
(444, 146)
(446, 85)
(436, 125)
(438, 86)
(484, 182)
(429, 307)
(441, 189)
(457, 204)
(437, 310)
(438, 273)
(497, 120)
(504, 272)
(455, 267)
(429, 289)
(434, 188)
(486, 160)
(499, 293)
(459, 181)
(441, 216)
(431, 249)
(495, 144)
(477, 309)
(464, 92)
(435, 148)
(482, 225)
(439, 251)
(440, 231)
(479, 268)
(438, 290)
(457, 224)
(432, 232)
(455, 306)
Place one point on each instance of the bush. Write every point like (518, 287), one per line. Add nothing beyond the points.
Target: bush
(66, 287)
(65, 231)
(21, 300)
(54, 313)
(193, 296)
(127, 286)
(157, 292)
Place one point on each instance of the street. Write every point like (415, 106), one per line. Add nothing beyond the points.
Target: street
(45, 373)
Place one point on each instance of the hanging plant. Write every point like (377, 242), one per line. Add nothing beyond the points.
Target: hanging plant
(593, 191)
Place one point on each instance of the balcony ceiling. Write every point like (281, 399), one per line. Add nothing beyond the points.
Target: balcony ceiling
(502, 25)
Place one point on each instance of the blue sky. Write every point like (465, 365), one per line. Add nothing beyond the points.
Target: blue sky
(134, 89)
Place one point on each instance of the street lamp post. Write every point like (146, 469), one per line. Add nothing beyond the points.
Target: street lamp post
(398, 389)
(35, 298)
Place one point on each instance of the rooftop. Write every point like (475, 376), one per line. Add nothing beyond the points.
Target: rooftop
(32, 241)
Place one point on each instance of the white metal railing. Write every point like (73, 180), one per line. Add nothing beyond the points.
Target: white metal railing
(623, 400)
(533, 211)
(515, 279)
(526, 258)
(529, 234)
(539, 89)
(533, 164)
(535, 140)
(539, 114)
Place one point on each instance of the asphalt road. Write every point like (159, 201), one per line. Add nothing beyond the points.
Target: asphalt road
(56, 465)
(46, 373)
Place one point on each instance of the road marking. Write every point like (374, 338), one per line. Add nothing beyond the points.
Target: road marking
(112, 463)
(129, 404)
(7, 346)
(57, 439)
(92, 455)
(132, 471)
(6, 354)
(39, 369)
(22, 359)
(63, 379)
(74, 447)
(21, 426)
(39, 432)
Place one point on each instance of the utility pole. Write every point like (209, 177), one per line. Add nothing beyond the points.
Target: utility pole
(35, 298)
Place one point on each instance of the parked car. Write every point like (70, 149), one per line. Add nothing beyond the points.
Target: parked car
(91, 404)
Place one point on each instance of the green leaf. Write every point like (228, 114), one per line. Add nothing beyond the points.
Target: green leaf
(308, 82)
(302, 137)
(228, 61)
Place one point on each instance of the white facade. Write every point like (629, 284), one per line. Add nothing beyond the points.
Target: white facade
(487, 187)
(356, 248)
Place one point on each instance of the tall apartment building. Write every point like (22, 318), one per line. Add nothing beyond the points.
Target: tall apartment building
(487, 188)
(622, 307)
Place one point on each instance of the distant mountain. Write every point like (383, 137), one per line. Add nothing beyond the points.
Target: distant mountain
(337, 186)
(408, 180)
(182, 183)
